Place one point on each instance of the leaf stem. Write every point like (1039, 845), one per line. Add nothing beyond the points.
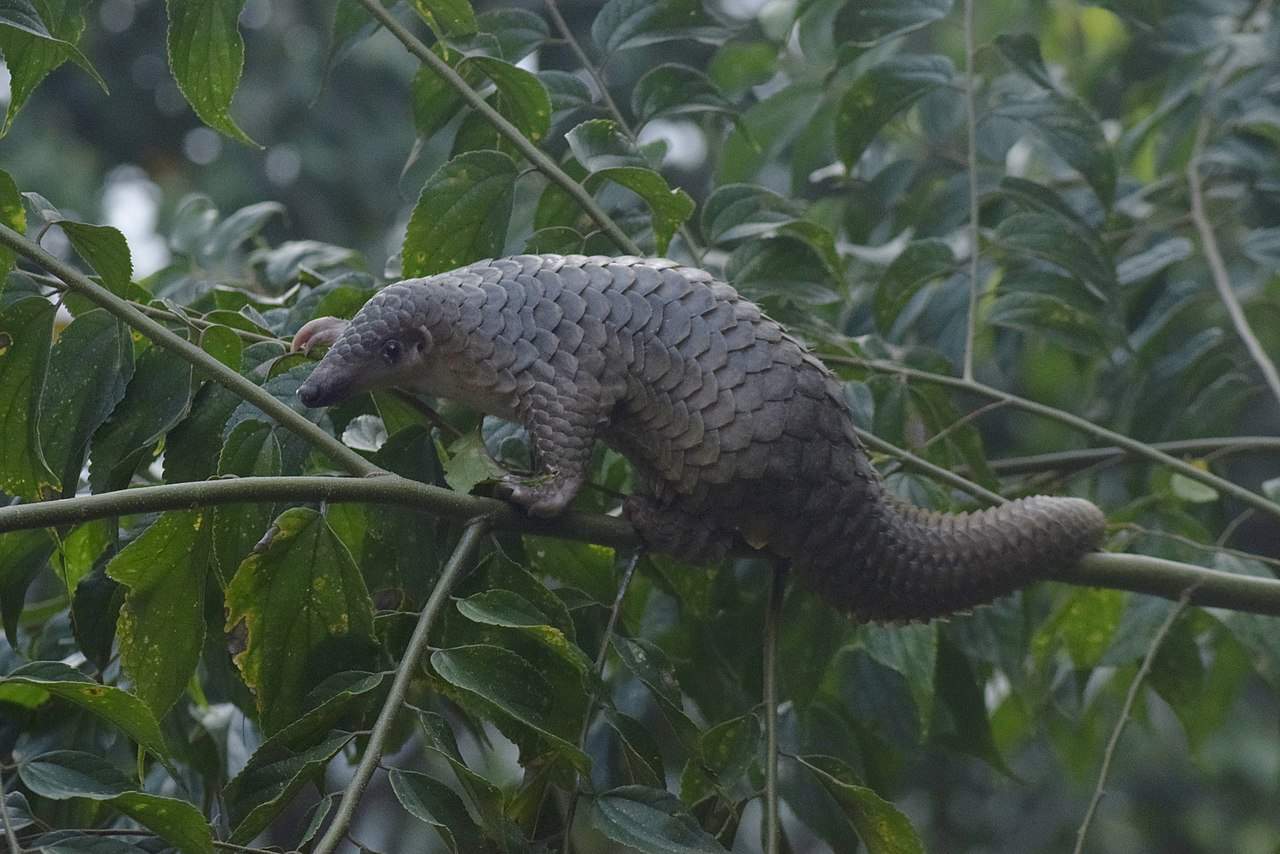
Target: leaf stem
(772, 619)
(202, 361)
(459, 560)
(510, 132)
(1125, 711)
(1132, 446)
(609, 627)
(971, 114)
(1218, 268)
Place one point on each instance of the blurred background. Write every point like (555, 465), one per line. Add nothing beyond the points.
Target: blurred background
(336, 140)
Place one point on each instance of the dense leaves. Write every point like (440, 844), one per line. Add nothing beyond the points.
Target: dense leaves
(205, 673)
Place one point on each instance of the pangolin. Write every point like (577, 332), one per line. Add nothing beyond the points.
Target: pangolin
(735, 432)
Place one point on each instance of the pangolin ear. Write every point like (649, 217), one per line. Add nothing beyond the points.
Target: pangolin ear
(424, 340)
(321, 332)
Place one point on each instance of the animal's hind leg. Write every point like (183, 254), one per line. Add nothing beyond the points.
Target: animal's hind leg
(670, 529)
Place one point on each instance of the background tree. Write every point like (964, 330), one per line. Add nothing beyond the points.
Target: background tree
(1038, 241)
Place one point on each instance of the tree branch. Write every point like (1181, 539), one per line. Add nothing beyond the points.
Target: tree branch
(1138, 573)
(510, 132)
(1132, 446)
(1218, 269)
(395, 696)
(184, 349)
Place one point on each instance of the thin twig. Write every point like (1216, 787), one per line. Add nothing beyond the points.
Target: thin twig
(772, 620)
(458, 561)
(961, 421)
(1218, 269)
(597, 76)
(601, 655)
(1125, 711)
(1132, 446)
(184, 349)
(1084, 457)
(510, 132)
(10, 834)
(936, 471)
(971, 110)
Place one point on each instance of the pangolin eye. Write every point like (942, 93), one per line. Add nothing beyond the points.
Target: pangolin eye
(391, 352)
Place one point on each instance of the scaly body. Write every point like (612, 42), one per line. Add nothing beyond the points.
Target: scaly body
(734, 429)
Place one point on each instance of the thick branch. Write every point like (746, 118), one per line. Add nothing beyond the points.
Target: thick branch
(510, 132)
(386, 489)
(1218, 269)
(458, 561)
(1132, 446)
(1118, 571)
(184, 349)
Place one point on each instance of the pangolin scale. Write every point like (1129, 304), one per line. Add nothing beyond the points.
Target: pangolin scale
(736, 433)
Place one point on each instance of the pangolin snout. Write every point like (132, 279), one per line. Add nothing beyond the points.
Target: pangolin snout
(321, 388)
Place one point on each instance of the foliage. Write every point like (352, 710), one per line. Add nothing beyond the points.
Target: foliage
(183, 678)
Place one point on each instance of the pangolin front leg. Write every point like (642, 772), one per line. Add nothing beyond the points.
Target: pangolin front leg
(562, 427)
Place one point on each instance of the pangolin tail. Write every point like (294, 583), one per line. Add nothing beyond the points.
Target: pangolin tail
(904, 563)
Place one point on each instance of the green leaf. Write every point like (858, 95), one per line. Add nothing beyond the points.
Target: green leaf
(270, 779)
(175, 821)
(673, 89)
(556, 240)
(785, 268)
(670, 207)
(869, 22)
(12, 213)
(640, 749)
(568, 92)
(882, 828)
(737, 211)
(469, 464)
(62, 774)
(510, 684)
(501, 608)
(1152, 260)
(306, 612)
(522, 100)
(912, 651)
(648, 663)
(960, 697)
(519, 32)
(1068, 322)
(435, 102)
(22, 555)
(624, 24)
(161, 628)
(105, 250)
(36, 38)
(251, 450)
(192, 447)
(881, 93)
(428, 800)
(157, 398)
(652, 821)
(921, 262)
(1192, 491)
(1047, 237)
(206, 54)
(601, 144)
(111, 704)
(1071, 130)
(462, 214)
(25, 329)
(1022, 50)
(737, 65)
(450, 17)
(89, 368)
(95, 607)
